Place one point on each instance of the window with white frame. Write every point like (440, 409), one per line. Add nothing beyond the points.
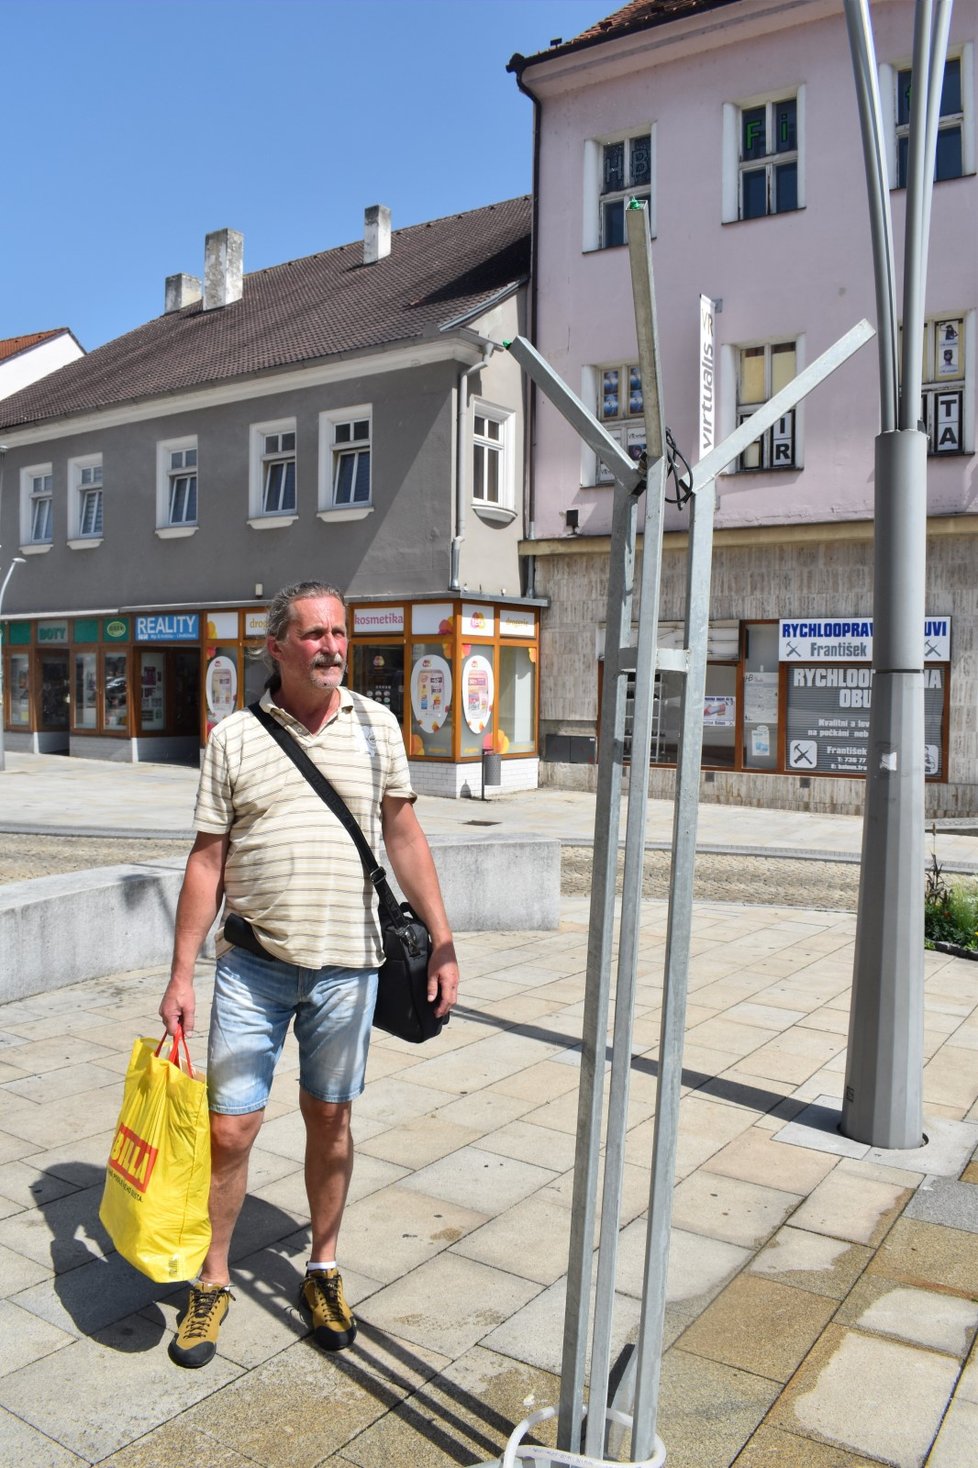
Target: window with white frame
(278, 473)
(616, 170)
(493, 451)
(763, 156)
(955, 155)
(350, 453)
(177, 484)
(272, 495)
(37, 506)
(949, 162)
(85, 479)
(620, 408)
(761, 372)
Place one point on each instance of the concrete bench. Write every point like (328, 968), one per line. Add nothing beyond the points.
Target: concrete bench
(61, 930)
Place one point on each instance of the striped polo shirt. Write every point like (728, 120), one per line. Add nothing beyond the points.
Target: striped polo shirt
(291, 868)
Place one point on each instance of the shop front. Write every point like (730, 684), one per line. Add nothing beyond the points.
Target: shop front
(463, 679)
(793, 696)
(460, 676)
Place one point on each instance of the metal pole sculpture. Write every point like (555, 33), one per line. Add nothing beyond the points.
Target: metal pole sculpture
(883, 1103)
(636, 658)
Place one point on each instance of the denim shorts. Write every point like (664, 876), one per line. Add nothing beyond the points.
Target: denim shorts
(254, 1001)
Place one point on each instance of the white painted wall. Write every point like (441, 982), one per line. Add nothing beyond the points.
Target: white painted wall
(36, 362)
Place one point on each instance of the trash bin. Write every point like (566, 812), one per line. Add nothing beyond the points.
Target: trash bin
(492, 769)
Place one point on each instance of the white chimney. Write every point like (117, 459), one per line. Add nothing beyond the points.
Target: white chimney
(223, 268)
(376, 233)
(181, 290)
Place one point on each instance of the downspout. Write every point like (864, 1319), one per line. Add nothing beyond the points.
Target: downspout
(516, 65)
(461, 479)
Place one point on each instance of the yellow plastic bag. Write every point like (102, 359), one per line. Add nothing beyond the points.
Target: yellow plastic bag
(154, 1204)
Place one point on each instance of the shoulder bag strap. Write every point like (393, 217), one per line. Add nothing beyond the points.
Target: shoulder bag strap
(337, 805)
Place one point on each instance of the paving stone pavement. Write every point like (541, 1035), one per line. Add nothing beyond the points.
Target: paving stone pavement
(822, 1307)
(822, 1295)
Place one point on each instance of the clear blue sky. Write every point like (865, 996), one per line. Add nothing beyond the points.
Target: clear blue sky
(133, 127)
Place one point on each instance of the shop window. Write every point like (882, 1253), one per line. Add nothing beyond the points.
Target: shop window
(272, 497)
(377, 670)
(477, 702)
(516, 715)
(719, 703)
(616, 170)
(761, 372)
(762, 157)
(760, 710)
(19, 684)
(431, 701)
(152, 691)
(115, 692)
(85, 701)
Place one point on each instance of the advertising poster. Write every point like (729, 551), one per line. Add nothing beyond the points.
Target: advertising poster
(477, 692)
(760, 698)
(828, 719)
(718, 710)
(431, 692)
(220, 688)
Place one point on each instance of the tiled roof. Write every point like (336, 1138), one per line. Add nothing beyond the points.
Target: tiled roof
(639, 15)
(437, 274)
(11, 345)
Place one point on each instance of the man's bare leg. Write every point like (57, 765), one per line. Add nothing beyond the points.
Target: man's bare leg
(329, 1167)
(232, 1138)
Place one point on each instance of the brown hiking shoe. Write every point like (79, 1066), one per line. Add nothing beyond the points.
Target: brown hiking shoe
(321, 1299)
(196, 1340)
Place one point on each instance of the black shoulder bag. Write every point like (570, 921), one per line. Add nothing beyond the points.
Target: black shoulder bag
(402, 1007)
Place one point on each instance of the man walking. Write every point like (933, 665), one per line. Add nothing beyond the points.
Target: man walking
(268, 845)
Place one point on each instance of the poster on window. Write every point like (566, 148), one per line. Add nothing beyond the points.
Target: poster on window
(760, 697)
(431, 692)
(477, 692)
(220, 688)
(718, 710)
(828, 719)
(948, 344)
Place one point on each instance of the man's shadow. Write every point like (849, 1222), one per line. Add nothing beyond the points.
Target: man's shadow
(97, 1288)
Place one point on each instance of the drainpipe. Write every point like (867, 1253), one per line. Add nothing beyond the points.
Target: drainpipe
(461, 478)
(516, 65)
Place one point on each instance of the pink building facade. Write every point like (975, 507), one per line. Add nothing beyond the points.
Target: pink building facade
(737, 123)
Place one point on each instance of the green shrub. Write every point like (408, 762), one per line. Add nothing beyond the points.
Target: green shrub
(950, 911)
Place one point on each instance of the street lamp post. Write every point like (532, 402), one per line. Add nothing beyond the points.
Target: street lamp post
(17, 561)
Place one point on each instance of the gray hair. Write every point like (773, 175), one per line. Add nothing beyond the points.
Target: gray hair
(281, 613)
